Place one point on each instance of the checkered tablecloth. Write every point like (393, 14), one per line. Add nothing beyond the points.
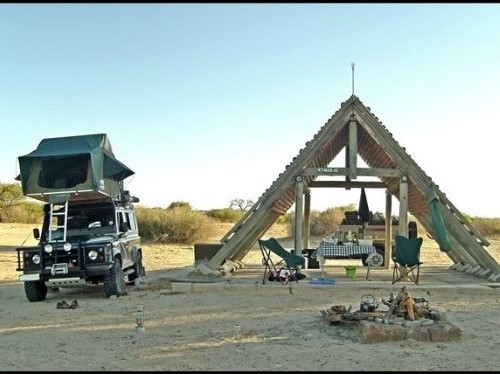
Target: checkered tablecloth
(331, 251)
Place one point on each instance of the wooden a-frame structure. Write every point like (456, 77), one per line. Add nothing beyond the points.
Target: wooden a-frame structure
(357, 130)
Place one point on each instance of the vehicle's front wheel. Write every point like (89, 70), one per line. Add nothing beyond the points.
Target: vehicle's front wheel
(114, 281)
(35, 290)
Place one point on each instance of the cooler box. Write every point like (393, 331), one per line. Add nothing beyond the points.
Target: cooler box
(205, 251)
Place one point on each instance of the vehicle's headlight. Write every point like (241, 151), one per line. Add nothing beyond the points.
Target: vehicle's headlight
(36, 259)
(93, 254)
(48, 248)
(67, 247)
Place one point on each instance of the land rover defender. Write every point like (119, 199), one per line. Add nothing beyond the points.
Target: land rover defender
(89, 233)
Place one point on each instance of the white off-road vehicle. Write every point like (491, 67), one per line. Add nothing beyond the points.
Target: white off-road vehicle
(89, 233)
(83, 242)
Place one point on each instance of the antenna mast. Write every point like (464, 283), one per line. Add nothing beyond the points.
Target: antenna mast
(352, 66)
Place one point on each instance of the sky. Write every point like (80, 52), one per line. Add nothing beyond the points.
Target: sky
(207, 103)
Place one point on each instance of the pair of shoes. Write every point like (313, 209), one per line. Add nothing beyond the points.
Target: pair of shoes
(64, 305)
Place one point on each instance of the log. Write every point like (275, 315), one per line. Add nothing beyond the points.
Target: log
(358, 316)
(395, 302)
(407, 304)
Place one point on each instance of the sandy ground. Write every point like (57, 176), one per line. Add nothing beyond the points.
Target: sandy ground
(231, 326)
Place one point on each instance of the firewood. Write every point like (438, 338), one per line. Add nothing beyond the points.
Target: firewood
(357, 316)
(395, 302)
(409, 309)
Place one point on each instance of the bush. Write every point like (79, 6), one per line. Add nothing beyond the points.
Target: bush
(174, 225)
(487, 226)
(322, 223)
(179, 204)
(22, 212)
(226, 214)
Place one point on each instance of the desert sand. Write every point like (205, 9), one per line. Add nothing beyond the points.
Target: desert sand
(235, 324)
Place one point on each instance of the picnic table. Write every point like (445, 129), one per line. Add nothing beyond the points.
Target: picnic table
(330, 250)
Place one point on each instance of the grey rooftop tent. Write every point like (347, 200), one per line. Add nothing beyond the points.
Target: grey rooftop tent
(83, 166)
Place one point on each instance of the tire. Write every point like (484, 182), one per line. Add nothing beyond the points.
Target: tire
(381, 250)
(135, 277)
(35, 290)
(114, 282)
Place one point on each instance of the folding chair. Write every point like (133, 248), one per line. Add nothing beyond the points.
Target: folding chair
(292, 261)
(406, 259)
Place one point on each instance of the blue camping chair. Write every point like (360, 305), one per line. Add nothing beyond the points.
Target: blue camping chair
(292, 261)
(406, 258)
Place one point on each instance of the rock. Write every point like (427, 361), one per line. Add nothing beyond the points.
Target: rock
(373, 332)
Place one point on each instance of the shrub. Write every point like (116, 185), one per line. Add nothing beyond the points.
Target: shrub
(487, 226)
(179, 204)
(174, 225)
(322, 223)
(22, 212)
(226, 214)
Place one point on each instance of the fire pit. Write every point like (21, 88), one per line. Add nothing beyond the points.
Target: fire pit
(407, 317)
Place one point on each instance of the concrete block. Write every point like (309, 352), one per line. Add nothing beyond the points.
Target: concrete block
(484, 273)
(494, 277)
(420, 330)
(474, 270)
(466, 267)
(445, 333)
(372, 332)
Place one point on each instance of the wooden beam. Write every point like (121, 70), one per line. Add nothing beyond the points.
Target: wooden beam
(299, 206)
(353, 148)
(388, 229)
(403, 206)
(307, 218)
(342, 184)
(364, 172)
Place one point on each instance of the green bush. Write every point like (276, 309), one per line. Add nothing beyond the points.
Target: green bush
(322, 223)
(487, 226)
(225, 214)
(179, 204)
(22, 212)
(174, 225)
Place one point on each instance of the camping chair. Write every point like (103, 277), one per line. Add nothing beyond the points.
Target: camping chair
(291, 260)
(406, 259)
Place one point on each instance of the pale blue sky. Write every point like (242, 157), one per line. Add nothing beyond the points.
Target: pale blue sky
(210, 102)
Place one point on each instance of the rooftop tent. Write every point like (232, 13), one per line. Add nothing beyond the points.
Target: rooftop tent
(82, 164)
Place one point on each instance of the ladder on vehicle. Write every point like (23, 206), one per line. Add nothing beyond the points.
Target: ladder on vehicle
(57, 210)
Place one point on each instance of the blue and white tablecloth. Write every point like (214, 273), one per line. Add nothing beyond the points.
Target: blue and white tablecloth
(331, 250)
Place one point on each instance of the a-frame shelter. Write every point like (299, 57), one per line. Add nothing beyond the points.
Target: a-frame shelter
(357, 130)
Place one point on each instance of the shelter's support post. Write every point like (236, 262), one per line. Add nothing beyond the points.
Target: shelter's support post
(299, 199)
(403, 206)
(388, 229)
(353, 148)
(307, 218)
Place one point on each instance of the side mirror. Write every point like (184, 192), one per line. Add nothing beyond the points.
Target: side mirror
(123, 227)
(36, 234)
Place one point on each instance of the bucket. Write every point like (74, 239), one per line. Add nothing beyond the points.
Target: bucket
(350, 271)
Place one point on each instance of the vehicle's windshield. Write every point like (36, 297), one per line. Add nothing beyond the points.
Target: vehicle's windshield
(86, 218)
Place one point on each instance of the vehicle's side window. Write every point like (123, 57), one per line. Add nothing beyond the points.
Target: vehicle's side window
(124, 220)
(131, 221)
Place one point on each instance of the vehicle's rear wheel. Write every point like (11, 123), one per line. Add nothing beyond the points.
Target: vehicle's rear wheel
(35, 290)
(114, 281)
(135, 277)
